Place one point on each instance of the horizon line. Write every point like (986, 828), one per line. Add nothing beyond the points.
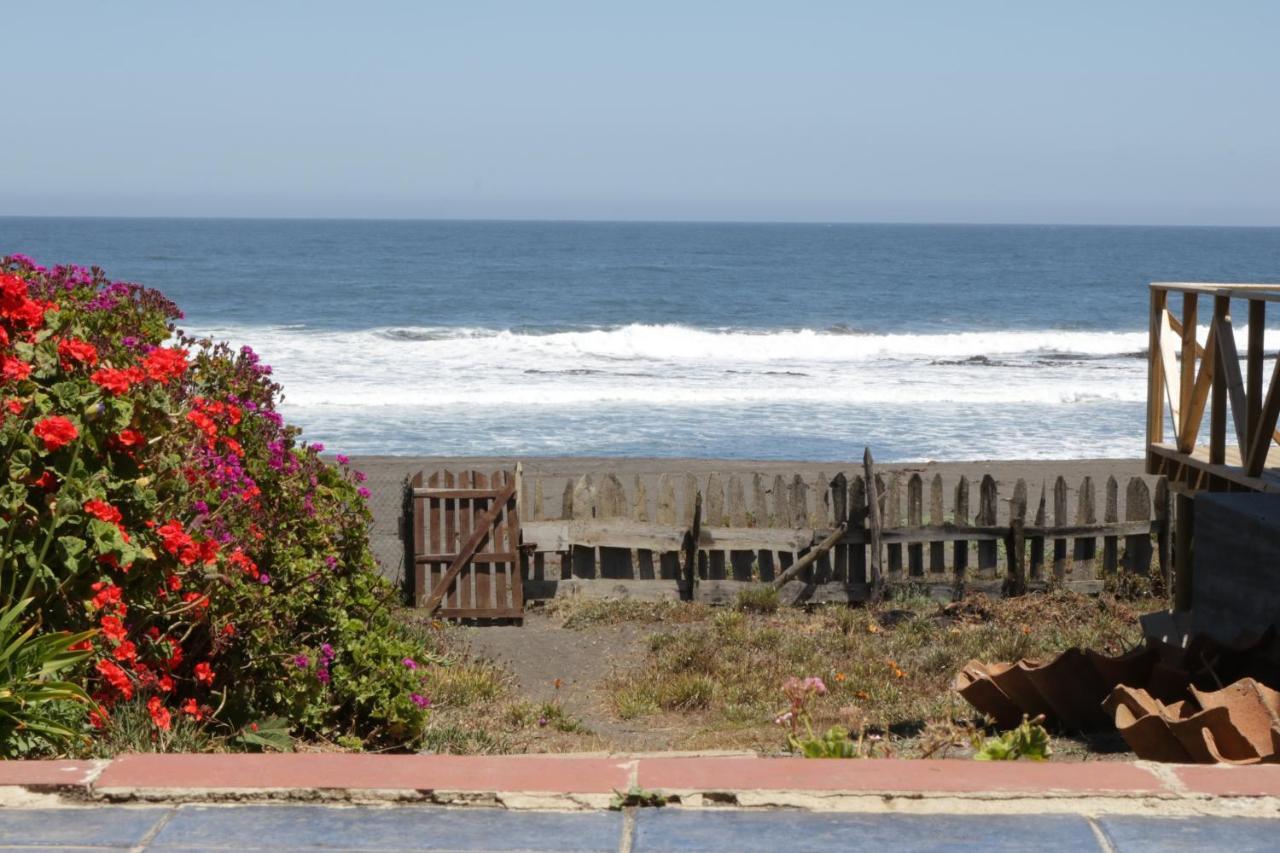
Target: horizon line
(641, 221)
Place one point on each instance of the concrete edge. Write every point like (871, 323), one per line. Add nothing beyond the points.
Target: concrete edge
(575, 783)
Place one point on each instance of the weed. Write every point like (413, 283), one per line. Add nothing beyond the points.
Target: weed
(758, 599)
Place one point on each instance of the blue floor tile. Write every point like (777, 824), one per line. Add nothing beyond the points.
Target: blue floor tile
(77, 827)
(733, 832)
(243, 828)
(1239, 835)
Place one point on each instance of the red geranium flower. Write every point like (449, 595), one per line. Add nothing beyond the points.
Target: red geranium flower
(102, 510)
(204, 673)
(159, 713)
(55, 431)
(113, 628)
(13, 369)
(73, 351)
(116, 677)
(163, 364)
(192, 708)
(117, 380)
(130, 438)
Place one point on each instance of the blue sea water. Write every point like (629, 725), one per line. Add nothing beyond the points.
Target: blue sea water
(679, 339)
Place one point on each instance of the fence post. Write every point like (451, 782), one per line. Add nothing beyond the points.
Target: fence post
(1111, 544)
(873, 516)
(937, 518)
(1086, 547)
(892, 520)
(960, 549)
(1060, 520)
(858, 514)
(988, 549)
(840, 515)
(1037, 543)
(1015, 546)
(915, 519)
(1137, 507)
(665, 514)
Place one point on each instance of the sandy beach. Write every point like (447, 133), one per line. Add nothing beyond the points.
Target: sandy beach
(387, 473)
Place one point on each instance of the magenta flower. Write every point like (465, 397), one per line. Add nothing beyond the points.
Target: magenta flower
(410, 663)
(420, 700)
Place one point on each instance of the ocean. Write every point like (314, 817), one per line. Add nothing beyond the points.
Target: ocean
(751, 341)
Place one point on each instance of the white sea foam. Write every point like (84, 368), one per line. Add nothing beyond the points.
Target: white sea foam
(561, 391)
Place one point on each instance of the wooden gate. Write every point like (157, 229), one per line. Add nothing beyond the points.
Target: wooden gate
(463, 538)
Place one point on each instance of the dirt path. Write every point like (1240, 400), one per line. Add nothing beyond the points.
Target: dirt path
(541, 652)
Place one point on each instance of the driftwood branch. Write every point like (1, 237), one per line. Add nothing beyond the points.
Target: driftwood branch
(808, 559)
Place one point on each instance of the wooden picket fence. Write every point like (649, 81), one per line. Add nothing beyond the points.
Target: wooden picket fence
(709, 538)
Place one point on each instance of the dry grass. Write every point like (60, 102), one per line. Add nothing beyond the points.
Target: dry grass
(889, 667)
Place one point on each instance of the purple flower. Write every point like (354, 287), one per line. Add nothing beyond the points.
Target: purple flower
(360, 476)
(301, 661)
(264, 578)
(363, 492)
(331, 561)
(410, 663)
(343, 460)
(318, 447)
(420, 700)
(323, 676)
(326, 652)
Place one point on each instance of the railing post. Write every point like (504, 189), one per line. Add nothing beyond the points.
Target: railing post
(1187, 385)
(1155, 373)
(1218, 405)
(1253, 378)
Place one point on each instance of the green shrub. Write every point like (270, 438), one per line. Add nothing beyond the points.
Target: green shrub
(153, 493)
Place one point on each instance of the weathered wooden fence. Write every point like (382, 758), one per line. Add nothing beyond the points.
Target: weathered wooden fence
(599, 536)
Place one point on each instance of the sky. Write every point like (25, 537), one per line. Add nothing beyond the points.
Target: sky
(1085, 112)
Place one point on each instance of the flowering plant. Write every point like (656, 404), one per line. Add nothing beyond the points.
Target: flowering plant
(153, 493)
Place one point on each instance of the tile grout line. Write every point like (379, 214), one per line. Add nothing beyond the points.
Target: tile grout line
(1100, 835)
(627, 840)
(155, 830)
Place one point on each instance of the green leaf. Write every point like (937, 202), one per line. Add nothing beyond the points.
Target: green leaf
(271, 733)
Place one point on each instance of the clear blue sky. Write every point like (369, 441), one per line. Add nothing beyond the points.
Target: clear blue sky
(1125, 112)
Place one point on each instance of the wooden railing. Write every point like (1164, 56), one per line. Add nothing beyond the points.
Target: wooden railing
(1194, 378)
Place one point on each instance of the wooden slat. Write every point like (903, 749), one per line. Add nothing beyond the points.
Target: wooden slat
(499, 572)
(515, 580)
(1085, 549)
(1137, 508)
(473, 494)
(1110, 543)
(1155, 369)
(893, 519)
(1253, 368)
(857, 521)
(1060, 521)
(481, 557)
(1262, 430)
(1218, 406)
(1187, 376)
(1229, 359)
(1167, 347)
(937, 550)
(960, 550)
(1015, 545)
(988, 504)
(1198, 398)
(1036, 566)
(915, 518)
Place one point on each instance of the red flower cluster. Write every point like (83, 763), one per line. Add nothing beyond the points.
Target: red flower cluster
(55, 431)
(73, 352)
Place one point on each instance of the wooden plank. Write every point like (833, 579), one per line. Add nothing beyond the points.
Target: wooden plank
(915, 518)
(937, 550)
(499, 541)
(893, 518)
(1137, 507)
(759, 502)
(1155, 367)
(1164, 531)
(665, 510)
(475, 539)
(1015, 547)
(798, 502)
(858, 514)
(1218, 406)
(536, 510)
(873, 526)
(450, 541)
(988, 503)
(515, 577)
(960, 550)
(1111, 544)
(691, 548)
(584, 497)
(1168, 351)
(713, 503)
(459, 494)
(1060, 520)
(566, 500)
(415, 541)
(640, 501)
(839, 489)
(611, 498)
(737, 502)
(1262, 430)
(1036, 565)
(1229, 361)
(473, 578)
(1085, 548)
(1187, 377)
(479, 557)
(780, 509)
(1253, 366)
(1198, 399)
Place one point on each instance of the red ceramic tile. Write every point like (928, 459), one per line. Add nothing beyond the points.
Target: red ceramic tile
(893, 776)
(1230, 781)
(46, 773)
(369, 772)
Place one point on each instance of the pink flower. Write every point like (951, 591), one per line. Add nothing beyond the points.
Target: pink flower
(419, 700)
